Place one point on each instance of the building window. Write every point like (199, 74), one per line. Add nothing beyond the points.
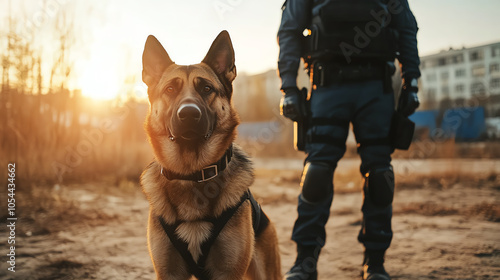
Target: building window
(445, 75)
(495, 51)
(460, 89)
(495, 83)
(478, 89)
(476, 55)
(460, 73)
(459, 58)
(441, 61)
(478, 71)
(494, 68)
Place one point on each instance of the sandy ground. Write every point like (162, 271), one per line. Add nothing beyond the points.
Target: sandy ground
(444, 228)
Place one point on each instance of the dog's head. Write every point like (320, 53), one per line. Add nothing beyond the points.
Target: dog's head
(191, 121)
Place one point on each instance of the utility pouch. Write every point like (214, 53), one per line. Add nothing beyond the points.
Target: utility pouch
(300, 127)
(401, 133)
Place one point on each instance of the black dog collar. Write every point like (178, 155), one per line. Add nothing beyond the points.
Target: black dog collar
(207, 173)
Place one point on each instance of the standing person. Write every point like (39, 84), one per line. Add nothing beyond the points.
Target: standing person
(349, 48)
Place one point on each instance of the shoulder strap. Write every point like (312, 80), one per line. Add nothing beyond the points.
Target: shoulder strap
(260, 220)
(182, 248)
(219, 224)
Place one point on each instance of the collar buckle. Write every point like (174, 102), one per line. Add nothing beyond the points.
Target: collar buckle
(208, 173)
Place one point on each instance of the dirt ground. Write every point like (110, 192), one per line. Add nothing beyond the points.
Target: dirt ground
(446, 226)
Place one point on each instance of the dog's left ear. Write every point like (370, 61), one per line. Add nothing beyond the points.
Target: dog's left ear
(154, 61)
(220, 57)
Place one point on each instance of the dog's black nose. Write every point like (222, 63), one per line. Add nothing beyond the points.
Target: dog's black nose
(189, 113)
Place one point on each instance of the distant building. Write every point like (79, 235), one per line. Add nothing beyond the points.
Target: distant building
(257, 97)
(468, 76)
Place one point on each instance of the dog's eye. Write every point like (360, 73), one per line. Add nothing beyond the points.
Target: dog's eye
(170, 89)
(207, 89)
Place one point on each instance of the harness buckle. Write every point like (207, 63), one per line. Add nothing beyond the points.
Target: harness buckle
(212, 172)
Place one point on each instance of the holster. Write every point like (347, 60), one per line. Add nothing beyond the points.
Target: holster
(401, 133)
(300, 127)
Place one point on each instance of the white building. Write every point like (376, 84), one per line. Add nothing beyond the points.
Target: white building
(466, 76)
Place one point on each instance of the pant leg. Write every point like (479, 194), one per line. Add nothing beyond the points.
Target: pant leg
(372, 120)
(309, 228)
(333, 102)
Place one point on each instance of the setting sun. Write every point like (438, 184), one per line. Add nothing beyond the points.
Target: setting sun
(100, 78)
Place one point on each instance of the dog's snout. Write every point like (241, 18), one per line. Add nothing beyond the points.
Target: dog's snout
(189, 113)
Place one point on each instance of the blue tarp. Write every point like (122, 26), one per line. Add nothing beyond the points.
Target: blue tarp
(464, 123)
(425, 119)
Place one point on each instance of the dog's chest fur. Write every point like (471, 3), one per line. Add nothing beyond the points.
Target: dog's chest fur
(194, 234)
(191, 203)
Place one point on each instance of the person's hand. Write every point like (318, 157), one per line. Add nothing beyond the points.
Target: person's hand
(291, 106)
(408, 99)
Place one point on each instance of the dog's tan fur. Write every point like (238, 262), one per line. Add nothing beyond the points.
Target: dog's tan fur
(236, 253)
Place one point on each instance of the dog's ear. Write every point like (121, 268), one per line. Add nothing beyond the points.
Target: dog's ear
(220, 57)
(154, 61)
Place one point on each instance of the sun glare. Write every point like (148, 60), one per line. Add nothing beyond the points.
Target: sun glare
(100, 79)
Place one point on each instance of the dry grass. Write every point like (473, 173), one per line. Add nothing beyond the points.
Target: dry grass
(72, 139)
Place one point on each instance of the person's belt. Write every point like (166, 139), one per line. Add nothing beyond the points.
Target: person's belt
(328, 72)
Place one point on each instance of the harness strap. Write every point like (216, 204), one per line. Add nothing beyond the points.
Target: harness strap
(198, 268)
(182, 248)
(219, 224)
(259, 218)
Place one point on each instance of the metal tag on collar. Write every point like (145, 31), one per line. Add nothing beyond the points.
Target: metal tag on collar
(204, 178)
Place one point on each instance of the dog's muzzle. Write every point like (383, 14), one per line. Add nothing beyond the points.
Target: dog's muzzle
(190, 123)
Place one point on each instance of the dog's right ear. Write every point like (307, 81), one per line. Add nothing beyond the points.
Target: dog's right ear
(154, 61)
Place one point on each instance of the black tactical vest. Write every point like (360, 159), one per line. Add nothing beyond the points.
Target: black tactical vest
(353, 30)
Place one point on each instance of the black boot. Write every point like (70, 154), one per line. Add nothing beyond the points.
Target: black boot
(305, 265)
(373, 266)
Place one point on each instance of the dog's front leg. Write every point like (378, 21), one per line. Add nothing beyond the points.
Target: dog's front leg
(168, 264)
(231, 255)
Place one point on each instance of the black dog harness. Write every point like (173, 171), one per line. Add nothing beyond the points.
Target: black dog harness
(259, 219)
(260, 222)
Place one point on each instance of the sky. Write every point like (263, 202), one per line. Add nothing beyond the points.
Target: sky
(114, 32)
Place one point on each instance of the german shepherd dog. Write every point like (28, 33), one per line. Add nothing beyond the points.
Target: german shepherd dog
(203, 220)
